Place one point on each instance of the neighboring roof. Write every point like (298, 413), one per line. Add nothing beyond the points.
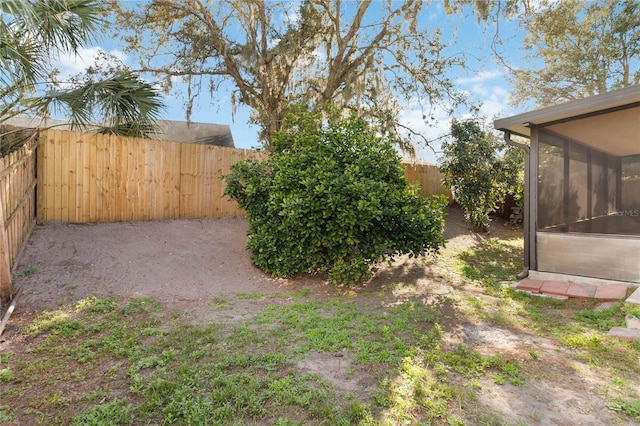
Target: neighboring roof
(167, 130)
(203, 133)
(582, 120)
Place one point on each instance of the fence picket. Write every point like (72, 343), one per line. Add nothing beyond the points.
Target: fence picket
(17, 203)
(98, 178)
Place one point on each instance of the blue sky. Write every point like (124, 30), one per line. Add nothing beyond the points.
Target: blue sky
(485, 81)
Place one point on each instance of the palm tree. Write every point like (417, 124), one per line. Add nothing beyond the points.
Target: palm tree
(33, 33)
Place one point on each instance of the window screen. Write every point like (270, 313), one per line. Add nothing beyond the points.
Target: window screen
(585, 190)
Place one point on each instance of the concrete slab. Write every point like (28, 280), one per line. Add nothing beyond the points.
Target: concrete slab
(575, 279)
(603, 306)
(625, 333)
(632, 322)
(634, 299)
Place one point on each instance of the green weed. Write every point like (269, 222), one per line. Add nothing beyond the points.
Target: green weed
(303, 292)
(93, 305)
(116, 412)
(5, 414)
(6, 375)
(140, 305)
(248, 296)
(220, 301)
(29, 271)
(603, 320)
(629, 409)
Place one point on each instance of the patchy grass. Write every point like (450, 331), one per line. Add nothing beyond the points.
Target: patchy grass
(630, 409)
(572, 324)
(121, 362)
(26, 272)
(492, 260)
(100, 362)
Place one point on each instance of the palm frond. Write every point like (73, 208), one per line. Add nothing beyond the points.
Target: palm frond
(126, 105)
(64, 25)
(32, 33)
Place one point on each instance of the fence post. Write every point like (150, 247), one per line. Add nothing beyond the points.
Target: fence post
(5, 268)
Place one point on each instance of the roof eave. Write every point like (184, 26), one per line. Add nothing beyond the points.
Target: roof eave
(519, 124)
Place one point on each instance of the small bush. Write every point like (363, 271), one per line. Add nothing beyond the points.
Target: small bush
(477, 175)
(332, 198)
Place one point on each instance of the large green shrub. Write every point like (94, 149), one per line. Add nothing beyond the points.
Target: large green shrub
(332, 198)
(478, 176)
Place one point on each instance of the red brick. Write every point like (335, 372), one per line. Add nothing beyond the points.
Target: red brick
(530, 285)
(577, 290)
(554, 287)
(629, 334)
(611, 292)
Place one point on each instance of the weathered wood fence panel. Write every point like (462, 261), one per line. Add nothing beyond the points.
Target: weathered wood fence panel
(102, 178)
(429, 178)
(17, 207)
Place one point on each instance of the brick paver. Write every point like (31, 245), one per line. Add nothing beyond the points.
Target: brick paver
(530, 285)
(611, 292)
(556, 288)
(578, 290)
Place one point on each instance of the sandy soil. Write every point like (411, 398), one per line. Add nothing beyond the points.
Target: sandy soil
(182, 264)
(186, 264)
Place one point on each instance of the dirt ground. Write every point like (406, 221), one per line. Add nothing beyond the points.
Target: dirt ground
(185, 264)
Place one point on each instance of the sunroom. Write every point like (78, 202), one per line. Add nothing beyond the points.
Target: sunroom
(582, 187)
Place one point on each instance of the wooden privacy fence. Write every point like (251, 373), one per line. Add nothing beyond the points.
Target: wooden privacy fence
(17, 207)
(103, 178)
(428, 177)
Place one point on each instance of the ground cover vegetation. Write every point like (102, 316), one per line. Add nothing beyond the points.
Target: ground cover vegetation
(332, 198)
(108, 361)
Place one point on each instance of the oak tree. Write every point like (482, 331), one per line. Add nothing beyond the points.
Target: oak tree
(372, 57)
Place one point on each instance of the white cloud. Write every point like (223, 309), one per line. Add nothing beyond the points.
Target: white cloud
(70, 65)
(494, 105)
(480, 77)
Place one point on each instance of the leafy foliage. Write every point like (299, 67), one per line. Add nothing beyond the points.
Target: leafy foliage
(332, 198)
(512, 167)
(578, 49)
(32, 35)
(476, 174)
